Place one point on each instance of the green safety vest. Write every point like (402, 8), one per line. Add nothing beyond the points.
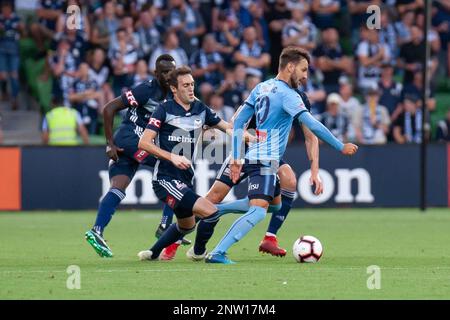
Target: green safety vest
(62, 126)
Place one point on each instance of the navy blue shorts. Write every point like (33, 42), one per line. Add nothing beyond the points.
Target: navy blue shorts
(224, 175)
(131, 157)
(177, 195)
(263, 181)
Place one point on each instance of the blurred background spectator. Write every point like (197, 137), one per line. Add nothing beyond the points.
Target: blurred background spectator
(231, 46)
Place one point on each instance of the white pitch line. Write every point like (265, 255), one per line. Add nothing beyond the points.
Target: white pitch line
(239, 270)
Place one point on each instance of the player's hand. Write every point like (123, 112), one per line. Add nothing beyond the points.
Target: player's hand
(317, 182)
(181, 162)
(113, 151)
(235, 170)
(349, 149)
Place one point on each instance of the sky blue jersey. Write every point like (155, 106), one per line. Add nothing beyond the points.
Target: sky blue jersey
(275, 104)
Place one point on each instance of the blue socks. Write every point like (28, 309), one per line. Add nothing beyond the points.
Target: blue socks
(106, 209)
(280, 216)
(205, 230)
(167, 216)
(171, 235)
(240, 228)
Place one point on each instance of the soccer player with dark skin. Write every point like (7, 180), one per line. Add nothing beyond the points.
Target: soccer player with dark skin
(122, 147)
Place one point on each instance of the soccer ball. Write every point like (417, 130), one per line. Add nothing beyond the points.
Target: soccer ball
(307, 249)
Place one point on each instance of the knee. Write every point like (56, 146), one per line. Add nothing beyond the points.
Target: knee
(215, 197)
(288, 181)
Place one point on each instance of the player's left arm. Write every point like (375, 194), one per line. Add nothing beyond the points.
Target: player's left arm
(294, 105)
(312, 149)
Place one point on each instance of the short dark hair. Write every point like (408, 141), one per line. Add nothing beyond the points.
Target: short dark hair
(174, 74)
(293, 55)
(164, 57)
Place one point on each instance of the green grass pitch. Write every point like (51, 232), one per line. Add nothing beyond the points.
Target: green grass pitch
(412, 250)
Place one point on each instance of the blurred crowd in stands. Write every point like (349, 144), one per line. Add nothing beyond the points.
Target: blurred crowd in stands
(364, 84)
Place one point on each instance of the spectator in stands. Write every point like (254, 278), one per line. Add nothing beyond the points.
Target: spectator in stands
(260, 24)
(99, 72)
(278, 15)
(300, 31)
(391, 91)
(123, 57)
(234, 9)
(443, 129)
(61, 124)
(434, 42)
(63, 66)
(334, 119)
(350, 106)
(331, 60)
(227, 36)
(148, 34)
(206, 63)
(142, 73)
(187, 23)
(388, 34)
(316, 94)
(371, 55)
(10, 28)
(411, 55)
(251, 53)
(105, 26)
(403, 29)
(48, 13)
(233, 86)
(325, 13)
(415, 89)
(408, 126)
(170, 46)
(86, 99)
(372, 122)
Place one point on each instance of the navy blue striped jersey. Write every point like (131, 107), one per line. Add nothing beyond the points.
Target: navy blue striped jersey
(141, 101)
(178, 133)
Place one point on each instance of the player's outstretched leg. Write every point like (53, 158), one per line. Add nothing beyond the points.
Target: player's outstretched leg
(238, 230)
(166, 220)
(105, 212)
(206, 230)
(288, 184)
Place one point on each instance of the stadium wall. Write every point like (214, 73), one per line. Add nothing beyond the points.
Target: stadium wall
(75, 178)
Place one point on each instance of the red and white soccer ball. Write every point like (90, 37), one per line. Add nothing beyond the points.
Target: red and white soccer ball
(307, 249)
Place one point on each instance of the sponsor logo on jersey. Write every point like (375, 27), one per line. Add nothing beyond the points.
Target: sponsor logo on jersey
(155, 122)
(181, 139)
(253, 186)
(131, 99)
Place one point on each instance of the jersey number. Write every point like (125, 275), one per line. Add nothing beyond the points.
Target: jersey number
(262, 109)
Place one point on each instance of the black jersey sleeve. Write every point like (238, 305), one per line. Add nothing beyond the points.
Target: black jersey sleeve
(137, 96)
(157, 119)
(211, 118)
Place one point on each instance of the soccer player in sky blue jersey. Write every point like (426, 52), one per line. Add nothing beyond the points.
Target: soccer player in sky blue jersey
(276, 104)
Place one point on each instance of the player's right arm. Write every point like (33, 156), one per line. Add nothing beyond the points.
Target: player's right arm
(312, 149)
(109, 111)
(239, 124)
(147, 141)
